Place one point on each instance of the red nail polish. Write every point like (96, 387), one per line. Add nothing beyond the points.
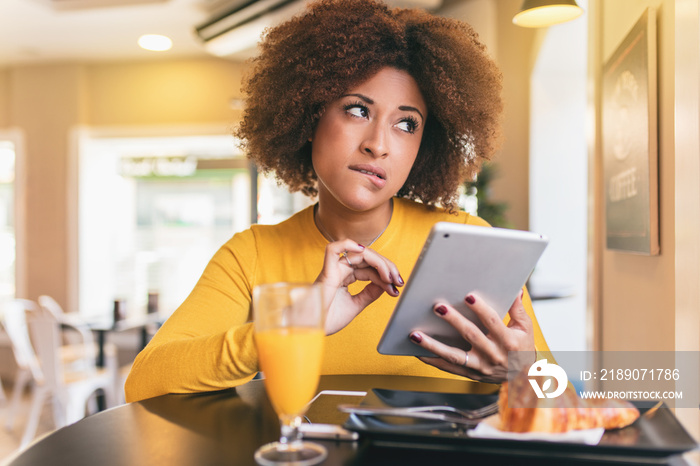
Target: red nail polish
(470, 299)
(416, 337)
(442, 310)
(401, 282)
(396, 290)
(360, 245)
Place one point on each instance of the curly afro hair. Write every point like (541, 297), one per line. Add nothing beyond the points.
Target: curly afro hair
(314, 58)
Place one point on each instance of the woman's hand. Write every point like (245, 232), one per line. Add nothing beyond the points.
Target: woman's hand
(344, 263)
(487, 360)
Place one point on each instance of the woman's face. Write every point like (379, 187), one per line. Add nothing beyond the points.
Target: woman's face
(365, 143)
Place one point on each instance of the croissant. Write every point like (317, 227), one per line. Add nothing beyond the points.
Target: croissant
(527, 413)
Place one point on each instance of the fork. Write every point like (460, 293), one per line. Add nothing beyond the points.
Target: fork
(437, 413)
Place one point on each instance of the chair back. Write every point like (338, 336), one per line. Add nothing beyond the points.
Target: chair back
(45, 332)
(14, 319)
(74, 330)
(51, 305)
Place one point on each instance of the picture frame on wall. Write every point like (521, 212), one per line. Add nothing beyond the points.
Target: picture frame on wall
(630, 141)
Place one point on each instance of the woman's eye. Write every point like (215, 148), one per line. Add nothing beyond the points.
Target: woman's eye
(358, 111)
(408, 125)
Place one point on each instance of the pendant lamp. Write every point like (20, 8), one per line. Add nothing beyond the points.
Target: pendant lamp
(543, 13)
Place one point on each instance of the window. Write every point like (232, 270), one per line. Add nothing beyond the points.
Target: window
(7, 220)
(8, 216)
(153, 210)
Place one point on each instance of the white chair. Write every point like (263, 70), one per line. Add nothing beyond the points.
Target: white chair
(78, 340)
(28, 368)
(68, 389)
(51, 305)
(73, 323)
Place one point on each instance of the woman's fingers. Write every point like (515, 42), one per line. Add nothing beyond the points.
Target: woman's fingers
(489, 318)
(369, 258)
(339, 251)
(346, 262)
(472, 362)
(347, 254)
(368, 295)
(347, 307)
(468, 329)
(447, 366)
(488, 356)
(518, 315)
(467, 362)
(450, 354)
(518, 335)
(334, 273)
(372, 275)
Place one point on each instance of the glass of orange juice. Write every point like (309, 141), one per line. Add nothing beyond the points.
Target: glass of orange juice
(289, 335)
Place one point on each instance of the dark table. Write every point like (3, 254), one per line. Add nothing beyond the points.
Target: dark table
(142, 323)
(226, 427)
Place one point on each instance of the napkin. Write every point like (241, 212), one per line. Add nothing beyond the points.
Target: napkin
(486, 429)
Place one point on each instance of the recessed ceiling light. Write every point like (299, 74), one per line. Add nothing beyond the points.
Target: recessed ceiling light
(155, 42)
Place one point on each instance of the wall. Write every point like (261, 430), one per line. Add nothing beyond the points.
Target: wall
(177, 92)
(636, 294)
(687, 142)
(47, 102)
(512, 48)
(515, 56)
(638, 302)
(481, 15)
(4, 95)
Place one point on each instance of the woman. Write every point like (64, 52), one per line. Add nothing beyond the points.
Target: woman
(370, 110)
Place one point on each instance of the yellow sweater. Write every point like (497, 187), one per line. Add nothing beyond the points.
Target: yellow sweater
(207, 344)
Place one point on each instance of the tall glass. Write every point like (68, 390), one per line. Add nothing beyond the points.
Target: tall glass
(289, 336)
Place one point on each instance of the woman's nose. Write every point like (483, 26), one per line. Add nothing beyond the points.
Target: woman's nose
(375, 141)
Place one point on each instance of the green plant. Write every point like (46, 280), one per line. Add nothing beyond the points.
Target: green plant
(491, 211)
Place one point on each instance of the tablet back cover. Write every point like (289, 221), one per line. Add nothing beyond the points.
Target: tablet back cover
(456, 260)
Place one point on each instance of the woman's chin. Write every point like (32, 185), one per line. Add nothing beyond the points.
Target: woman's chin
(356, 199)
(365, 204)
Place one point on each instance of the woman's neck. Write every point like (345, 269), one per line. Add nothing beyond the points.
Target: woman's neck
(362, 227)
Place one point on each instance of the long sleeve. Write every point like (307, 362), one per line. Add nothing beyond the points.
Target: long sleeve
(207, 344)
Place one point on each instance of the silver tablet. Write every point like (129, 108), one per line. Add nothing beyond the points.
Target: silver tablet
(456, 260)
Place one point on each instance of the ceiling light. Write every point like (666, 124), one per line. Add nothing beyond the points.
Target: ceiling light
(155, 42)
(542, 13)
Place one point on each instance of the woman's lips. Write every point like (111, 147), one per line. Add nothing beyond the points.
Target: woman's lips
(376, 175)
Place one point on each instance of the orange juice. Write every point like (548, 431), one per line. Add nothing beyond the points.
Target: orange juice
(291, 360)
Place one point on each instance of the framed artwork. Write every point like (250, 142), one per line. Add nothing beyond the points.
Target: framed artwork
(630, 142)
